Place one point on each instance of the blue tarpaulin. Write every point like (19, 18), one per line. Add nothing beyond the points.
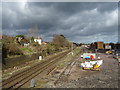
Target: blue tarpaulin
(87, 56)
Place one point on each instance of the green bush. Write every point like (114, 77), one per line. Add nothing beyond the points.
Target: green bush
(26, 50)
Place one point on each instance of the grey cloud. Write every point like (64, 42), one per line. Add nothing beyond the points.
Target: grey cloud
(74, 20)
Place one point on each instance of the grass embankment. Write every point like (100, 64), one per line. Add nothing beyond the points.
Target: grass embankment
(27, 51)
(10, 71)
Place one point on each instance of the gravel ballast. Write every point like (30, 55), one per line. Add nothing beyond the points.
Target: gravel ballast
(107, 77)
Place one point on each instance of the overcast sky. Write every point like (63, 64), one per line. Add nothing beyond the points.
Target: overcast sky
(80, 22)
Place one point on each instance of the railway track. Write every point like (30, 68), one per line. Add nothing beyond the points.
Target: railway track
(18, 80)
(66, 72)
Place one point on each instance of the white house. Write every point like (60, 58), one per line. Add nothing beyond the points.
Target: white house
(39, 40)
(26, 44)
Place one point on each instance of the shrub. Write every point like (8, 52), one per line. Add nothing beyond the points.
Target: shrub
(12, 49)
(7, 39)
(60, 42)
(34, 44)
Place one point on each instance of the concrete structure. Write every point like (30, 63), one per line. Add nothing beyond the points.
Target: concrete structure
(107, 46)
(97, 45)
(100, 45)
(40, 57)
(26, 44)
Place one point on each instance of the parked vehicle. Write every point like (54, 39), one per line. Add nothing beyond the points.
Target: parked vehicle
(109, 52)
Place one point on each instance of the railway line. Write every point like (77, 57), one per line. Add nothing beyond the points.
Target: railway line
(66, 72)
(19, 79)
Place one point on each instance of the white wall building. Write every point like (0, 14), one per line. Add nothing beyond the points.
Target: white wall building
(107, 47)
(38, 40)
(26, 44)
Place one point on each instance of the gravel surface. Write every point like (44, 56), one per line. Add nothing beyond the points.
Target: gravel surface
(107, 77)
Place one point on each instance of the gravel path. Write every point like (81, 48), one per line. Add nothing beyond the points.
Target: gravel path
(107, 77)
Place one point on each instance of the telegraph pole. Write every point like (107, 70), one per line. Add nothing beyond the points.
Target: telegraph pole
(72, 48)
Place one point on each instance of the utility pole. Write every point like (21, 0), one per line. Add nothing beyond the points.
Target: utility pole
(72, 48)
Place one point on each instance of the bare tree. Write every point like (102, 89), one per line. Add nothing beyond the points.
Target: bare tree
(60, 41)
(33, 32)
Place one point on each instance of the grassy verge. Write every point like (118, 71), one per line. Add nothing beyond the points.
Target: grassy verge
(26, 50)
(5, 75)
(41, 83)
(13, 56)
(68, 58)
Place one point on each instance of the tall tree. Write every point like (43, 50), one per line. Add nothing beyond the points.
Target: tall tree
(60, 41)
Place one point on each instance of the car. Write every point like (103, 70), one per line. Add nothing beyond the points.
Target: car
(109, 52)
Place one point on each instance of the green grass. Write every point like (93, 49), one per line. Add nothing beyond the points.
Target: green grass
(69, 58)
(13, 56)
(41, 83)
(76, 51)
(61, 65)
(26, 50)
(6, 74)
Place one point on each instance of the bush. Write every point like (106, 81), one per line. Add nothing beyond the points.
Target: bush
(7, 39)
(11, 49)
(26, 50)
(60, 42)
(34, 44)
(20, 36)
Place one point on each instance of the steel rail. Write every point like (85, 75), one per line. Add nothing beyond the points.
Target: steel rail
(9, 83)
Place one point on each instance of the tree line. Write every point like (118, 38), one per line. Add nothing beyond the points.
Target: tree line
(11, 46)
